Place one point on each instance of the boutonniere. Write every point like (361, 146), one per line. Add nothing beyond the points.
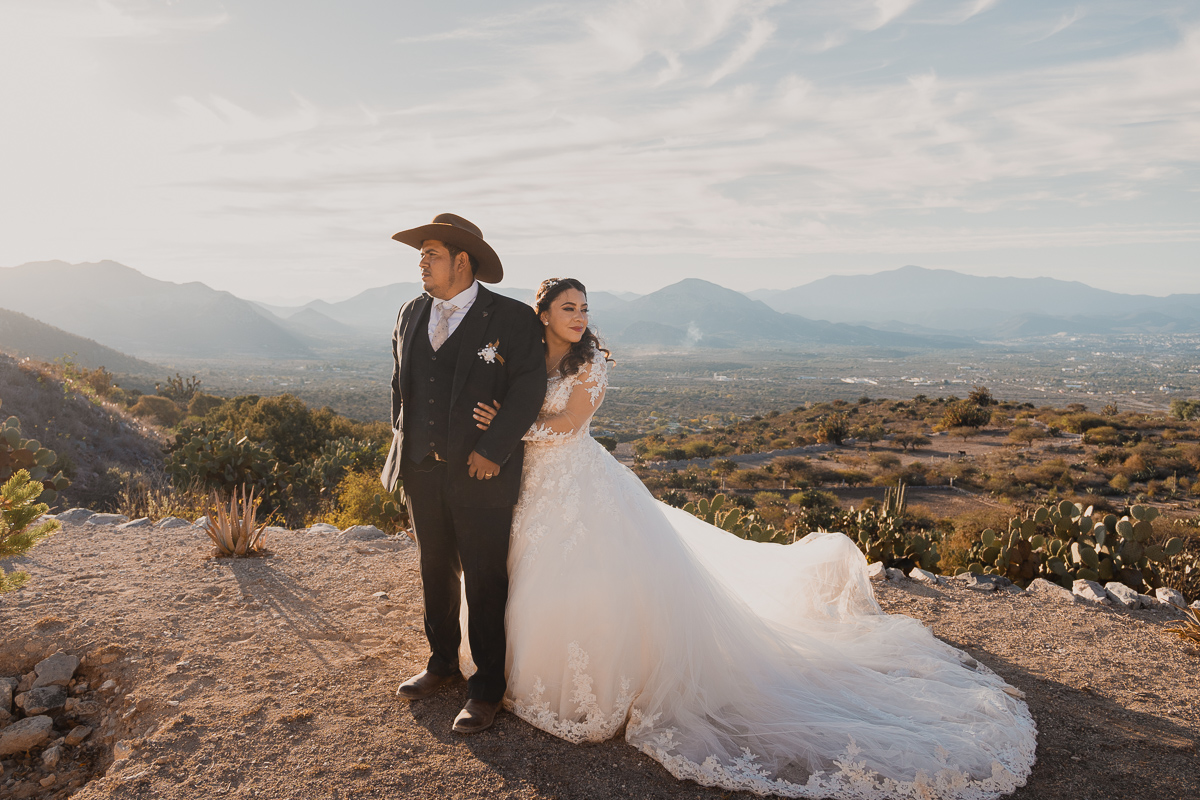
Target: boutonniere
(488, 353)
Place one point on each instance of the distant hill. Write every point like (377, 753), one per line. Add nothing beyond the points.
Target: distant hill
(702, 314)
(948, 300)
(124, 309)
(26, 337)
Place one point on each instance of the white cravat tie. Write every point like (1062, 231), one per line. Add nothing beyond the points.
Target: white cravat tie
(442, 332)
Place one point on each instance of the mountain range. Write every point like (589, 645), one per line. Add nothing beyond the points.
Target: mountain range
(908, 308)
(986, 307)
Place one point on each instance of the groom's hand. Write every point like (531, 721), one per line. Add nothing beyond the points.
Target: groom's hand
(479, 467)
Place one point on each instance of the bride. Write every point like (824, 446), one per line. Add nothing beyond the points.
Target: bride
(759, 667)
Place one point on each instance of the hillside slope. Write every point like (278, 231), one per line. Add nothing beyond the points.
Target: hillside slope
(22, 335)
(90, 439)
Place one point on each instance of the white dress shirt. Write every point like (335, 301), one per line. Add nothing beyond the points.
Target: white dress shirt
(462, 301)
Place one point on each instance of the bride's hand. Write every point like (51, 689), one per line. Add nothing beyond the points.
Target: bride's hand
(484, 414)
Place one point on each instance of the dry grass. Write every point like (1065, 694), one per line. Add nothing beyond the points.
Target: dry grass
(234, 528)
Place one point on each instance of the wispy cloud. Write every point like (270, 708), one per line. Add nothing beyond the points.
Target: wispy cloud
(1065, 21)
(624, 132)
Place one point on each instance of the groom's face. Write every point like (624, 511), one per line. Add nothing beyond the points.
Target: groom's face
(438, 273)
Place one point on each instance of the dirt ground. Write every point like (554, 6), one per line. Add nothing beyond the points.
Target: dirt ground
(273, 677)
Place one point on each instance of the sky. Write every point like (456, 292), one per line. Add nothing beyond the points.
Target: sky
(271, 148)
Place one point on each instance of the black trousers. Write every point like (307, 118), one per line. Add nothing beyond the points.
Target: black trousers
(456, 540)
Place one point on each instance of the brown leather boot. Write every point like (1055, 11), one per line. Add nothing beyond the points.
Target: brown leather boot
(425, 684)
(476, 716)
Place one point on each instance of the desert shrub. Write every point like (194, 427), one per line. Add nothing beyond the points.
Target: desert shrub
(1120, 482)
(1082, 422)
(362, 500)
(19, 508)
(833, 429)
(956, 546)
(160, 409)
(202, 403)
(1185, 409)
(698, 450)
(964, 414)
(221, 460)
(609, 443)
(886, 460)
(911, 441)
(674, 498)
(1102, 435)
(981, 396)
(1025, 434)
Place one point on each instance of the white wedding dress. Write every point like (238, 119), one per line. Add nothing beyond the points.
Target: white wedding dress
(759, 667)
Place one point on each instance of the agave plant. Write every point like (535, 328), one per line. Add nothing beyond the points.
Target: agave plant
(1189, 627)
(234, 529)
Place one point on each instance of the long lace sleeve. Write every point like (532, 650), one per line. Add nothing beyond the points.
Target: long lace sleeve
(586, 394)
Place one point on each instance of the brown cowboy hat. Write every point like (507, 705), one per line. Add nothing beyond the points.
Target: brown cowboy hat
(453, 229)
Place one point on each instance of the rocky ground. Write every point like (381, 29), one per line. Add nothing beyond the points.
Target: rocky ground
(273, 677)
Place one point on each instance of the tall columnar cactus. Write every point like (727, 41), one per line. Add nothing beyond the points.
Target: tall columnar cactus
(1064, 543)
(19, 453)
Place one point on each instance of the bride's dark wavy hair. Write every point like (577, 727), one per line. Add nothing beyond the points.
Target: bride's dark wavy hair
(580, 352)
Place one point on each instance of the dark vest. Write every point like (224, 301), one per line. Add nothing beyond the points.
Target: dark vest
(427, 401)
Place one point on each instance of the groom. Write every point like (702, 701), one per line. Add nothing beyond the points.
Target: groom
(454, 346)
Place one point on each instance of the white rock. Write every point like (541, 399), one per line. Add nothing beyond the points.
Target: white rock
(202, 522)
(323, 528)
(1122, 594)
(363, 533)
(25, 734)
(167, 523)
(922, 576)
(1195, 604)
(1044, 588)
(1091, 591)
(107, 519)
(75, 515)
(876, 571)
(894, 574)
(57, 670)
(1012, 588)
(381, 596)
(122, 751)
(108, 685)
(1167, 595)
(51, 756)
(1150, 602)
(133, 524)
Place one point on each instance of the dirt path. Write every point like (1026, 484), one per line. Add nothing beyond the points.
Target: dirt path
(273, 678)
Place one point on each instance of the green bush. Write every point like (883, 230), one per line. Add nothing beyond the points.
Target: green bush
(361, 500)
(964, 414)
(18, 533)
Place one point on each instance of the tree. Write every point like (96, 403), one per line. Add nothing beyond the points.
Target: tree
(18, 533)
(981, 396)
(910, 441)
(871, 433)
(964, 414)
(833, 429)
(1185, 409)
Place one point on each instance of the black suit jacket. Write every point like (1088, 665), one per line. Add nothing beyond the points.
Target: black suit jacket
(516, 377)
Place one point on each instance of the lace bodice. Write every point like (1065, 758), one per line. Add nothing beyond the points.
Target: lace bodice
(571, 402)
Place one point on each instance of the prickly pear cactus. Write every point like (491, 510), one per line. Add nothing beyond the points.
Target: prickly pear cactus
(19, 453)
(734, 520)
(1064, 543)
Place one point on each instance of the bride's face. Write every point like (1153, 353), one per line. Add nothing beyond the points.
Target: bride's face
(567, 317)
